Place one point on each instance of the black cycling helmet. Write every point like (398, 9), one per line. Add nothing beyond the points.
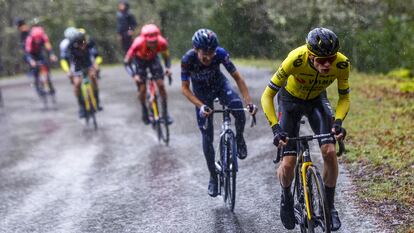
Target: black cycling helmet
(77, 37)
(205, 39)
(322, 42)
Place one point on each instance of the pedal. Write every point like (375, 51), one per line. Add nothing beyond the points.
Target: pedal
(298, 216)
(218, 166)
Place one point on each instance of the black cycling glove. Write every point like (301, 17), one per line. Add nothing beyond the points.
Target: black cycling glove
(337, 126)
(278, 134)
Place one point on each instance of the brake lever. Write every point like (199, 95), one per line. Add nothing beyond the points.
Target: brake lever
(253, 121)
(169, 80)
(341, 145)
(277, 159)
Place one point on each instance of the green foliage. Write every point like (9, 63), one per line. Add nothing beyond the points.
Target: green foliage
(244, 28)
(401, 73)
(407, 86)
(376, 36)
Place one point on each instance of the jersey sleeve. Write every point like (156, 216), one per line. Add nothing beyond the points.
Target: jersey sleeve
(131, 51)
(268, 106)
(185, 64)
(93, 49)
(162, 43)
(46, 39)
(63, 48)
(282, 74)
(225, 60)
(343, 105)
(28, 44)
(276, 82)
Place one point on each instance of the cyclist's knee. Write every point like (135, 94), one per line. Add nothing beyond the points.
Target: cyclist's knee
(161, 88)
(142, 87)
(77, 83)
(328, 152)
(328, 149)
(288, 163)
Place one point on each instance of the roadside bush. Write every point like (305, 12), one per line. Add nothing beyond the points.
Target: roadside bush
(401, 73)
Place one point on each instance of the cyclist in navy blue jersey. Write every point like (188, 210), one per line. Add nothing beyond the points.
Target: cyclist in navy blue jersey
(201, 67)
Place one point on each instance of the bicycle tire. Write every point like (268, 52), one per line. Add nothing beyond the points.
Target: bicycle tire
(300, 213)
(90, 106)
(319, 208)
(156, 118)
(166, 132)
(158, 129)
(94, 121)
(230, 173)
(233, 173)
(1, 99)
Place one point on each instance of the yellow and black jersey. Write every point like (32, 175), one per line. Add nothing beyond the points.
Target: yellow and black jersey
(303, 81)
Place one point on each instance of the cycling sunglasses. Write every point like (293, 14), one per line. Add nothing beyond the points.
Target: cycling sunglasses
(323, 60)
(207, 53)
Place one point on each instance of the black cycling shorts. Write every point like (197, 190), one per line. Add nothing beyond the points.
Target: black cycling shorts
(154, 66)
(291, 110)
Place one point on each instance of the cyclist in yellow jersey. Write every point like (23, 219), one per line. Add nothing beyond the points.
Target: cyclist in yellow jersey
(301, 82)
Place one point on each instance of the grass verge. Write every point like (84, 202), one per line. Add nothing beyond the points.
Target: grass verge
(381, 147)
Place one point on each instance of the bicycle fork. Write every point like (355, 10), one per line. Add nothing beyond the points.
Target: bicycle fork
(88, 94)
(304, 168)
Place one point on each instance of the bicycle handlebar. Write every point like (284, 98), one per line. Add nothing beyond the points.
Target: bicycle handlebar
(341, 144)
(229, 110)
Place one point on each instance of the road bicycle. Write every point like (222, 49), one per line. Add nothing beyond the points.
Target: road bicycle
(89, 99)
(226, 165)
(44, 84)
(311, 208)
(158, 122)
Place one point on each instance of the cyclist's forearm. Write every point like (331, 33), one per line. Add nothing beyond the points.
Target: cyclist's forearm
(167, 60)
(189, 95)
(268, 106)
(342, 107)
(48, 47)
(64, 64)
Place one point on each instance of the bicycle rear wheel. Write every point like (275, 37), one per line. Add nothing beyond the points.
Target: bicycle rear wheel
(321, 217)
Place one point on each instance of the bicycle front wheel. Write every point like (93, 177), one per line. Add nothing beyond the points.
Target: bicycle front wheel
(95, 123)
(231, 173)
(300, 209)
(320, 220)
(165, 131)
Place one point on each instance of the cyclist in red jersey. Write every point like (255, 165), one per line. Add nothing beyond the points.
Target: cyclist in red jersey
(144, 53)
(35, 44)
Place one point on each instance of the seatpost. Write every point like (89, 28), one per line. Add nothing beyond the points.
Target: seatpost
(306, 152)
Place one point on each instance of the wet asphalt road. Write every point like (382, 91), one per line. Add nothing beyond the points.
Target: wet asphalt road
(57, 175)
